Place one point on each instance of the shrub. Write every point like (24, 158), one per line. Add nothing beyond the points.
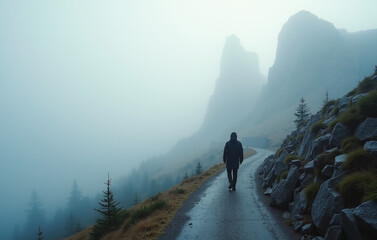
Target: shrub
(370, 191)
(284, 175)
(311, 192)
(327, 159)
(155, 197)
(358, 160)
(316, 127)
(351, 118)
(358, 187)
(366, 85)
(351, 144)
(335, 111)
(290, 158)
(332, 125)
(367, 105)
(177, 191)
(144, 212)
(279, 152)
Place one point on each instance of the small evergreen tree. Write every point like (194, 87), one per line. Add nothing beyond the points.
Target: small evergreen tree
(35, 216)
(302, 114)
(39, 234)
(186, 175)
(136, 199)
(110, 213)
(326, 100)
(198, 169)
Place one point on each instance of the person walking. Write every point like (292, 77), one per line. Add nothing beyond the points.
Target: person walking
(233, 157)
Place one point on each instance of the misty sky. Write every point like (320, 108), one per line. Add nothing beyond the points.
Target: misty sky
(89, 87)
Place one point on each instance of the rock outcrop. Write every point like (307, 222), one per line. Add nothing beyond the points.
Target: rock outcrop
(313, 191)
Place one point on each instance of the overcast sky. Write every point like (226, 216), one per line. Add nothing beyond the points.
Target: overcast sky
(90, 84)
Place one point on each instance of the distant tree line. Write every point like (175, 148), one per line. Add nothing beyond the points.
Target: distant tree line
(79, 211)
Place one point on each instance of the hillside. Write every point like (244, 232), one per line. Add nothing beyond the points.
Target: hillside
(325, 173)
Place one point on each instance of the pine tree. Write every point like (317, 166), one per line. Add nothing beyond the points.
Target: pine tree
(35, 216)
(326, 100)
(75, 208)
(198, 169)
(186, 175)
(136, 199)
(302, 114)
(39, 233)
(110, 213)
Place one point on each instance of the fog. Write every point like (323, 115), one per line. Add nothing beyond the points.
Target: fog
(95, 87)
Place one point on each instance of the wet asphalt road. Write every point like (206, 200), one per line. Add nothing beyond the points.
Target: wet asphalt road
(213, 212)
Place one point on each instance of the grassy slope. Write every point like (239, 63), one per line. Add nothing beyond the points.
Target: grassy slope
(153, 226)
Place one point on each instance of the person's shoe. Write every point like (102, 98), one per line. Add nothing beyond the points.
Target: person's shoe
(230, 188)
(234, 188)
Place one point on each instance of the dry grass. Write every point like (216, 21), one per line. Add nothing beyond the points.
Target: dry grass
(153, 226)
(83, 235)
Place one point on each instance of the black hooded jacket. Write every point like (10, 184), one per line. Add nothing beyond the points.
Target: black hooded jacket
(233, 152)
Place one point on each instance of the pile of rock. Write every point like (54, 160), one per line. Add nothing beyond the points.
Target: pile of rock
(310, 158)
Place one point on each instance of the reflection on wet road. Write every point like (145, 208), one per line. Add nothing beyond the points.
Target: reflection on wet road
(220, 214)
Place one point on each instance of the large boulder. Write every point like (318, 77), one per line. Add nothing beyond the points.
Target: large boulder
(356, 98)
(338, 162)
(307, 229)
(299, 206)
(339, 133)
(283, 193)
(349, 225)
(306, 142)
(327, 171)
(308, 178)
(367, 129)
(269, 179)
(329, 120)
(334, 233)
(309, 167)
(371, 147)
(326, 204)
(279, 164)
(343, 102)
(366, 218)
(319, 145)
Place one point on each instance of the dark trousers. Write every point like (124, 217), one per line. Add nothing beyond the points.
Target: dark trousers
(232, 179)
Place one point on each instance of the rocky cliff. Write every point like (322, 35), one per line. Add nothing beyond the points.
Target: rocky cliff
(325, 174)
(233, 99)
(312, 56)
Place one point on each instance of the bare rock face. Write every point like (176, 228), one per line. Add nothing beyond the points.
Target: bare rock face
(339, 133)
(299, 206)
(327, 202)
(343, 102)
(371, 147)
(339, 160)
(279, 164)
(349, 225)
(356, 98)
(306, 142)
(318, 146)
(334, 233)
(366, 218)
(367, 129)
(283, 193)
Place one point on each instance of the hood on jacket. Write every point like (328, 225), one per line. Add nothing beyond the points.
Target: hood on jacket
(233, 136)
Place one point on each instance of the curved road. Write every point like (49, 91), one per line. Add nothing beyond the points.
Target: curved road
(213, 212)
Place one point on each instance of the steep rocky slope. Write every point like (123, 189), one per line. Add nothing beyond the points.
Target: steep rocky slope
(325, 174)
